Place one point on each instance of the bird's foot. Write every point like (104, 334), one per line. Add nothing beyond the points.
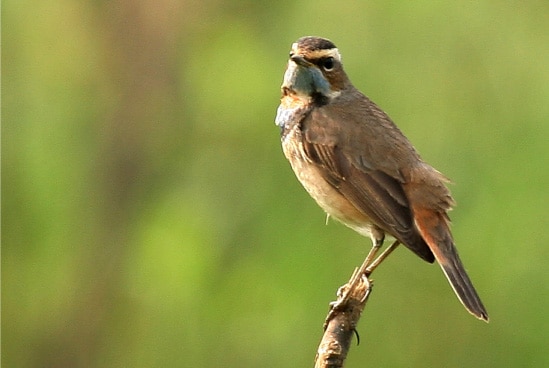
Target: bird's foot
(350, 295)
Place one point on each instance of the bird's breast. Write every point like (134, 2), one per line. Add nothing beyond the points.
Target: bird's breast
(291, 111)
(327, 197)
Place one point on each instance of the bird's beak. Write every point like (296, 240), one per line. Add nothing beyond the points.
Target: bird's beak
(300, 60)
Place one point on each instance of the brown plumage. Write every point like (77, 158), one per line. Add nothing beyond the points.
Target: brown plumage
(360, 168)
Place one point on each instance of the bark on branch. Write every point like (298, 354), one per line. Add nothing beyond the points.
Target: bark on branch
(341, 325)
(341, 322)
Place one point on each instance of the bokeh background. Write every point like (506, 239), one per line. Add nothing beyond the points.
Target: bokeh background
(150, 219)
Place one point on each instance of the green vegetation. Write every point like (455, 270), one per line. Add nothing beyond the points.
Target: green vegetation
(150, 219)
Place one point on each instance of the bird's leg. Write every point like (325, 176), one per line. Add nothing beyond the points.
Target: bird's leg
(359, 275)
(344, 292)
(351, 294)
(372, 266)
(377, 244)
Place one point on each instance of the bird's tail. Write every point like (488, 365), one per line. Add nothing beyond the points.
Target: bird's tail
(435, 230)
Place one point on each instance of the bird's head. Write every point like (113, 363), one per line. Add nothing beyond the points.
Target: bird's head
(314, 71)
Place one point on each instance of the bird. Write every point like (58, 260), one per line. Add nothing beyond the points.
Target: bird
(360, 168)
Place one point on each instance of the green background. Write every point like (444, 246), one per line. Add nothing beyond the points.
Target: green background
(150, 219)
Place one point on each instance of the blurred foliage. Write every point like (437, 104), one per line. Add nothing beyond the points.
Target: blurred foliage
(150, 219)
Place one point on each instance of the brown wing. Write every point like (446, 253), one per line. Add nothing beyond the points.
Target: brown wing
(350, 160)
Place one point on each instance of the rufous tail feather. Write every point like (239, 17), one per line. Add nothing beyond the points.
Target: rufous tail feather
(435, 230)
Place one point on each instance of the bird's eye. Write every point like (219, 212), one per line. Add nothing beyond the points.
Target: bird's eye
(328, 63)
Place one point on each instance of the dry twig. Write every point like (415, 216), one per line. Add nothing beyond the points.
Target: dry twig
(341, 322)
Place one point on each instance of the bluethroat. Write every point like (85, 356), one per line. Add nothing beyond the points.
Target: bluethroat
(360, 168)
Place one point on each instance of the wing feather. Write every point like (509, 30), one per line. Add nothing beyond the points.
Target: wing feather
(373, 189)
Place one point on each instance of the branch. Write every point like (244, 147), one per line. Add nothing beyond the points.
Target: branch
(341, 324)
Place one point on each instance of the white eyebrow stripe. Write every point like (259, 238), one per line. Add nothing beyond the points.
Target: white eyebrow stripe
(317, 54)
(325, 53)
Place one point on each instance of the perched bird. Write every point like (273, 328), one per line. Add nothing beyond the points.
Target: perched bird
(360, 168)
